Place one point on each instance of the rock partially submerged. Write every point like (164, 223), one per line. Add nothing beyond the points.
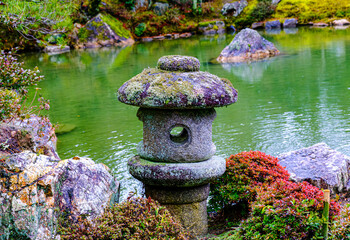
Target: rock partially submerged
(341, 22)
(320, 165)
(247, 45)
(56, 49)
(290, 23)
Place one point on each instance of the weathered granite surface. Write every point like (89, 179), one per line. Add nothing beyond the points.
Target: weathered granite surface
(234, 8)
(290, 23)
(177, 84)
(34, 133)
(247, 45)
(84, 187)
(273, 24)
(26, 196)
(176, 174)
(319, 165)
(36, 188)
(193, 144)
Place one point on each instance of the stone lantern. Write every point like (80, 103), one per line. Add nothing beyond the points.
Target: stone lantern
(176, 159)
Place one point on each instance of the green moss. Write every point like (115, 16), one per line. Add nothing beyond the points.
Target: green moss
(311, 10)
(116, 26)
(83, 34)
(206, 24)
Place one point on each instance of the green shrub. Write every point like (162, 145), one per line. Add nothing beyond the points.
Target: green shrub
(137, 218)
(14, 80)
(140, 29)
(286, 210)
(263, 10)
(12, 74)
(340, 229)
(32, 20)
(9, 104)
(245, 173)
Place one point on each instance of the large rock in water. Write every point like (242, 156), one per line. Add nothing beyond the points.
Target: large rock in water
(319, 165)
(247, 45)
(102, 31)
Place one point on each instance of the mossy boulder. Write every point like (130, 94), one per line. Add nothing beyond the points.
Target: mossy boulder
(247, 45)
(104, 30)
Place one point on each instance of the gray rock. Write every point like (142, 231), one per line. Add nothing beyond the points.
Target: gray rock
(234, 9)
(193, 144)
(247, 45)
(320, 24)
(176, 174)
(273, 24)
(55, 49)
(33, 187)
(341, 22)
(147, 39)
(319, 165)
(160, 8)
(290, 23)
(34, 133)
(257, 25)
(85, 188)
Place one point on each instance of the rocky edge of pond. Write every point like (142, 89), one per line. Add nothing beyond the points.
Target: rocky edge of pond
(37, 187)
(247, 45)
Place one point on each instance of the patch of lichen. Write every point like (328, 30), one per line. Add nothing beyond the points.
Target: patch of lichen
(164, 89)
(116, 26)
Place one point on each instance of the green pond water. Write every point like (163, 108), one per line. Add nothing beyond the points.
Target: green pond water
(291, 101)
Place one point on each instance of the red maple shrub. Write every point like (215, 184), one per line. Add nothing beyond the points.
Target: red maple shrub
(286, 210)
(245, 173)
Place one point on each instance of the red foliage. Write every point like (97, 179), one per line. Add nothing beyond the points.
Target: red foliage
(245, 172)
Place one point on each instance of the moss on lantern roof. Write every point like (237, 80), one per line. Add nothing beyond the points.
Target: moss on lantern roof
(185, 88)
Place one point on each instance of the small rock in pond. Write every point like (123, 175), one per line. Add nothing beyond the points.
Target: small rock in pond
(64, 128)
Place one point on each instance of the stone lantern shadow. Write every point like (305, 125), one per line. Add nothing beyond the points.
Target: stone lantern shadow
(176, 159)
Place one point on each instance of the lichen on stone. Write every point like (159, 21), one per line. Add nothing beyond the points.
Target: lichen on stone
(159, 88)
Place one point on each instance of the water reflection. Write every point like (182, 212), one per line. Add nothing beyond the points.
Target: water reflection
(248, 72)
(290, 101)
